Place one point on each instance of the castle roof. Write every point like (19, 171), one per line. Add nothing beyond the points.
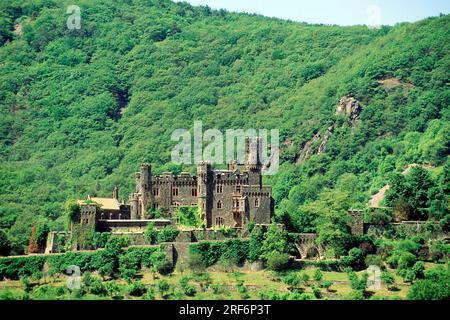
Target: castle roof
(105, 203)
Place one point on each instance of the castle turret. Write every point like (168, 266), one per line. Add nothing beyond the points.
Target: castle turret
(145, 187)
(253, 152)
(204, 173)
(134, 210)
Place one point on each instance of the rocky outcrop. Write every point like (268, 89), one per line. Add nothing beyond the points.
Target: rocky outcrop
(350, 107)
(316, 145)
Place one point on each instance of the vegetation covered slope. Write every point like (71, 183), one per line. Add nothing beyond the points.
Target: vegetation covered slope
(82, 108)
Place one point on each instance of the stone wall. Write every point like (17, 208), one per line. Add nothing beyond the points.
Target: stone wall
(408, 228)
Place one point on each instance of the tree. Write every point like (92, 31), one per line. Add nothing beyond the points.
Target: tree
(254, 246)
(5, 245)
(435, 286)
(275, 240)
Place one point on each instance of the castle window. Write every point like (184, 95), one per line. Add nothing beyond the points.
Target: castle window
(156, 192)
(194, 192)
(219, 204)
(257, 202)
(175, 192)
(220, 222)
(238, 189)
(219, 188)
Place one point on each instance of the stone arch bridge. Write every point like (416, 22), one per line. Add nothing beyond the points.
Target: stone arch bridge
(307, 247)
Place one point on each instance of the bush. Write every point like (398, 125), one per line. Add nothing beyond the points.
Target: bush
(163, 288)
(355, 259)
(167, 234)
(278, 261)
(327, 285)
(151, 234)
(137, 289)
(101, 239)
(188, 289)
(435, 286)
(317, 275)
(161, 264)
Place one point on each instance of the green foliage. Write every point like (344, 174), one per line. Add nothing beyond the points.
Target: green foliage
(358, 284)
(167, 234)
(5, 245)
(151, 234)
(101, 239)
(318, 275)
(208, 253)
(254, 246)
(188, 216)
(435, 285)
(188, 289)
(355, 259)
(275, 243)
(278, 261)
(137, 289)
(163, 288)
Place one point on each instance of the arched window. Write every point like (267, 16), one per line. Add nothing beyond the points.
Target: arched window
(220, 221)
(257, 202)
(219, 188)
(219, 204)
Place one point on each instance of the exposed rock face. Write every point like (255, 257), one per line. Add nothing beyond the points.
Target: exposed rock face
(310, 148)
(350, 107)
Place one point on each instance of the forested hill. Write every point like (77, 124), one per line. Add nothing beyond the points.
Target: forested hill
(82, 108)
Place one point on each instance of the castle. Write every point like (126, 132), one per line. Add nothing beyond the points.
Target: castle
(225, 198)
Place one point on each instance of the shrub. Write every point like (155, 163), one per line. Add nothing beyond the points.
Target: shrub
(101, 239)
(434, 286)
(161, 264)
(355, 259)
(163, 288)
(317, 275)
(137, 289)
(373, 260)
(167, 234)
(317, 293)
(278, 261)
(188, 289)
(327, 285)
(150, 294)
(292, 280)
(151, 234)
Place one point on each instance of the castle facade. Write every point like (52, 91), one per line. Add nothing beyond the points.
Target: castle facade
(225, 198)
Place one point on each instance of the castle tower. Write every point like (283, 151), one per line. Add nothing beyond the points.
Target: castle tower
(134, 206)
(204, 173)
(145, 186)
(253, 152)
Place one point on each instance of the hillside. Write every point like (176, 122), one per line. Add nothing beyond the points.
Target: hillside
(82, 108)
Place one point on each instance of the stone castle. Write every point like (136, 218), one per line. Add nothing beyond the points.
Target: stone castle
(225, 198)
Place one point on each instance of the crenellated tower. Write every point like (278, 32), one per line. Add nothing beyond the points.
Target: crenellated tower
(204, 192)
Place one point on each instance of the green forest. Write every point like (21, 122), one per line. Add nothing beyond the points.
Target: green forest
(83, 108)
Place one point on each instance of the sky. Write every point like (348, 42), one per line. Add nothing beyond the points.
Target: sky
(340, 12)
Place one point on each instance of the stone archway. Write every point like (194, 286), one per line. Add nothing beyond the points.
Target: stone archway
(307, 247)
